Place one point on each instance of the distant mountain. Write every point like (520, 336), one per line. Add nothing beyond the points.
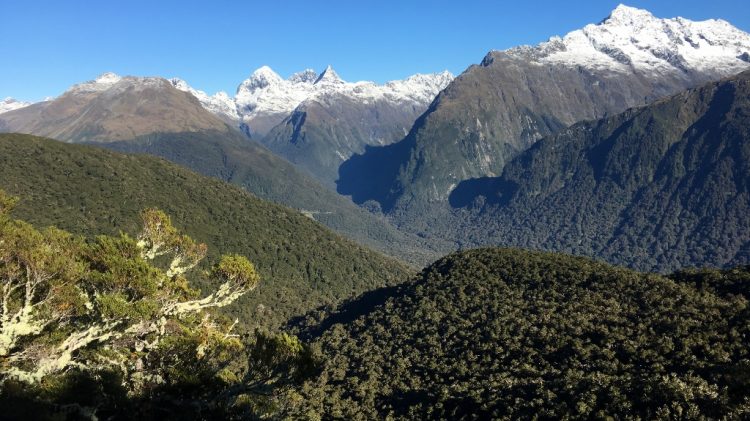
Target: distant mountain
(10, 104)
(655, 188)
(318, 121)
(339, 120)
(220, 104)
(266, 99)
(495, 110)
(150, 115)
(113, 108)
(92, 191)
(512, 334)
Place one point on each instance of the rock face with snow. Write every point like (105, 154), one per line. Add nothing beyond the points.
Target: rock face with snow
(113, 108)
(10, 104)
(220, 104)
(338, 119)
(265, 99)
(497, 109)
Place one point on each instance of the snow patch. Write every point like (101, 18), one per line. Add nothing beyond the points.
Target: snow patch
(10, 104)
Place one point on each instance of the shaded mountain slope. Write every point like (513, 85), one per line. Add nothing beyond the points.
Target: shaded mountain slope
(656, 188)
(329, 127)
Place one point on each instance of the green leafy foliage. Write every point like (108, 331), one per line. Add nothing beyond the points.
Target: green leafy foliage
(509, 334)
(110, 327)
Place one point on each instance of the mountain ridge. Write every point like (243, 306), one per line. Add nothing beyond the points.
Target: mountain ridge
(110, 112)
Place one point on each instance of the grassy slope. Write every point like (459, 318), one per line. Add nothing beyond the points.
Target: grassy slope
(90, 191)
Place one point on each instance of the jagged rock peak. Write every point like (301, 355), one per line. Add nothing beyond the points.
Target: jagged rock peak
(627, 15)
(329, 76)
(305, 76)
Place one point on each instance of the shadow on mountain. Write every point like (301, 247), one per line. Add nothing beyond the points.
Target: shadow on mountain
(369, 176)
(347, 312)
(482, 191)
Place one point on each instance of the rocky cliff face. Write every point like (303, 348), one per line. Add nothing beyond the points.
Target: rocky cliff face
(328, 128)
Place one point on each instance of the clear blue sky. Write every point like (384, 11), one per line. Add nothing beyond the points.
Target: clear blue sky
(45, 46)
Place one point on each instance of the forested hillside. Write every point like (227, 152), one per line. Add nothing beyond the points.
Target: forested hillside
(509, 334)
(660, 187)
(91, 191)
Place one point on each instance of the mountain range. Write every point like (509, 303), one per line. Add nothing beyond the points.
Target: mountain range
(589, 196)
(150, 115)
(318, 121)
(443, 185)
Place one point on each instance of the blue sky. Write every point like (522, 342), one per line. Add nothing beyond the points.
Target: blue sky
(45, 46)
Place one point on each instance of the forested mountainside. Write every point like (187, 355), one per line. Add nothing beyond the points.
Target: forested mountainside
(232, 158)
(660, 187)
(91, 191)
(509, 334)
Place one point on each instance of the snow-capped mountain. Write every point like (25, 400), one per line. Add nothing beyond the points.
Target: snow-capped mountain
(499, 108)
(220, 103)
(10, 104)
(265, 98)
(318, 121)
(112, 108)
(633, 39)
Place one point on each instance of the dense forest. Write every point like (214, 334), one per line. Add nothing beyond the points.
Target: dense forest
(513, 334)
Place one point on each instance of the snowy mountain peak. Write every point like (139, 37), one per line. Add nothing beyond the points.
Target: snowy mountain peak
(329, 76)
(10, 104)
(261, 105)
(633, 40)
(261, 78)
(305, 76)
(628, 15)
(221, 104)
(108, 78)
